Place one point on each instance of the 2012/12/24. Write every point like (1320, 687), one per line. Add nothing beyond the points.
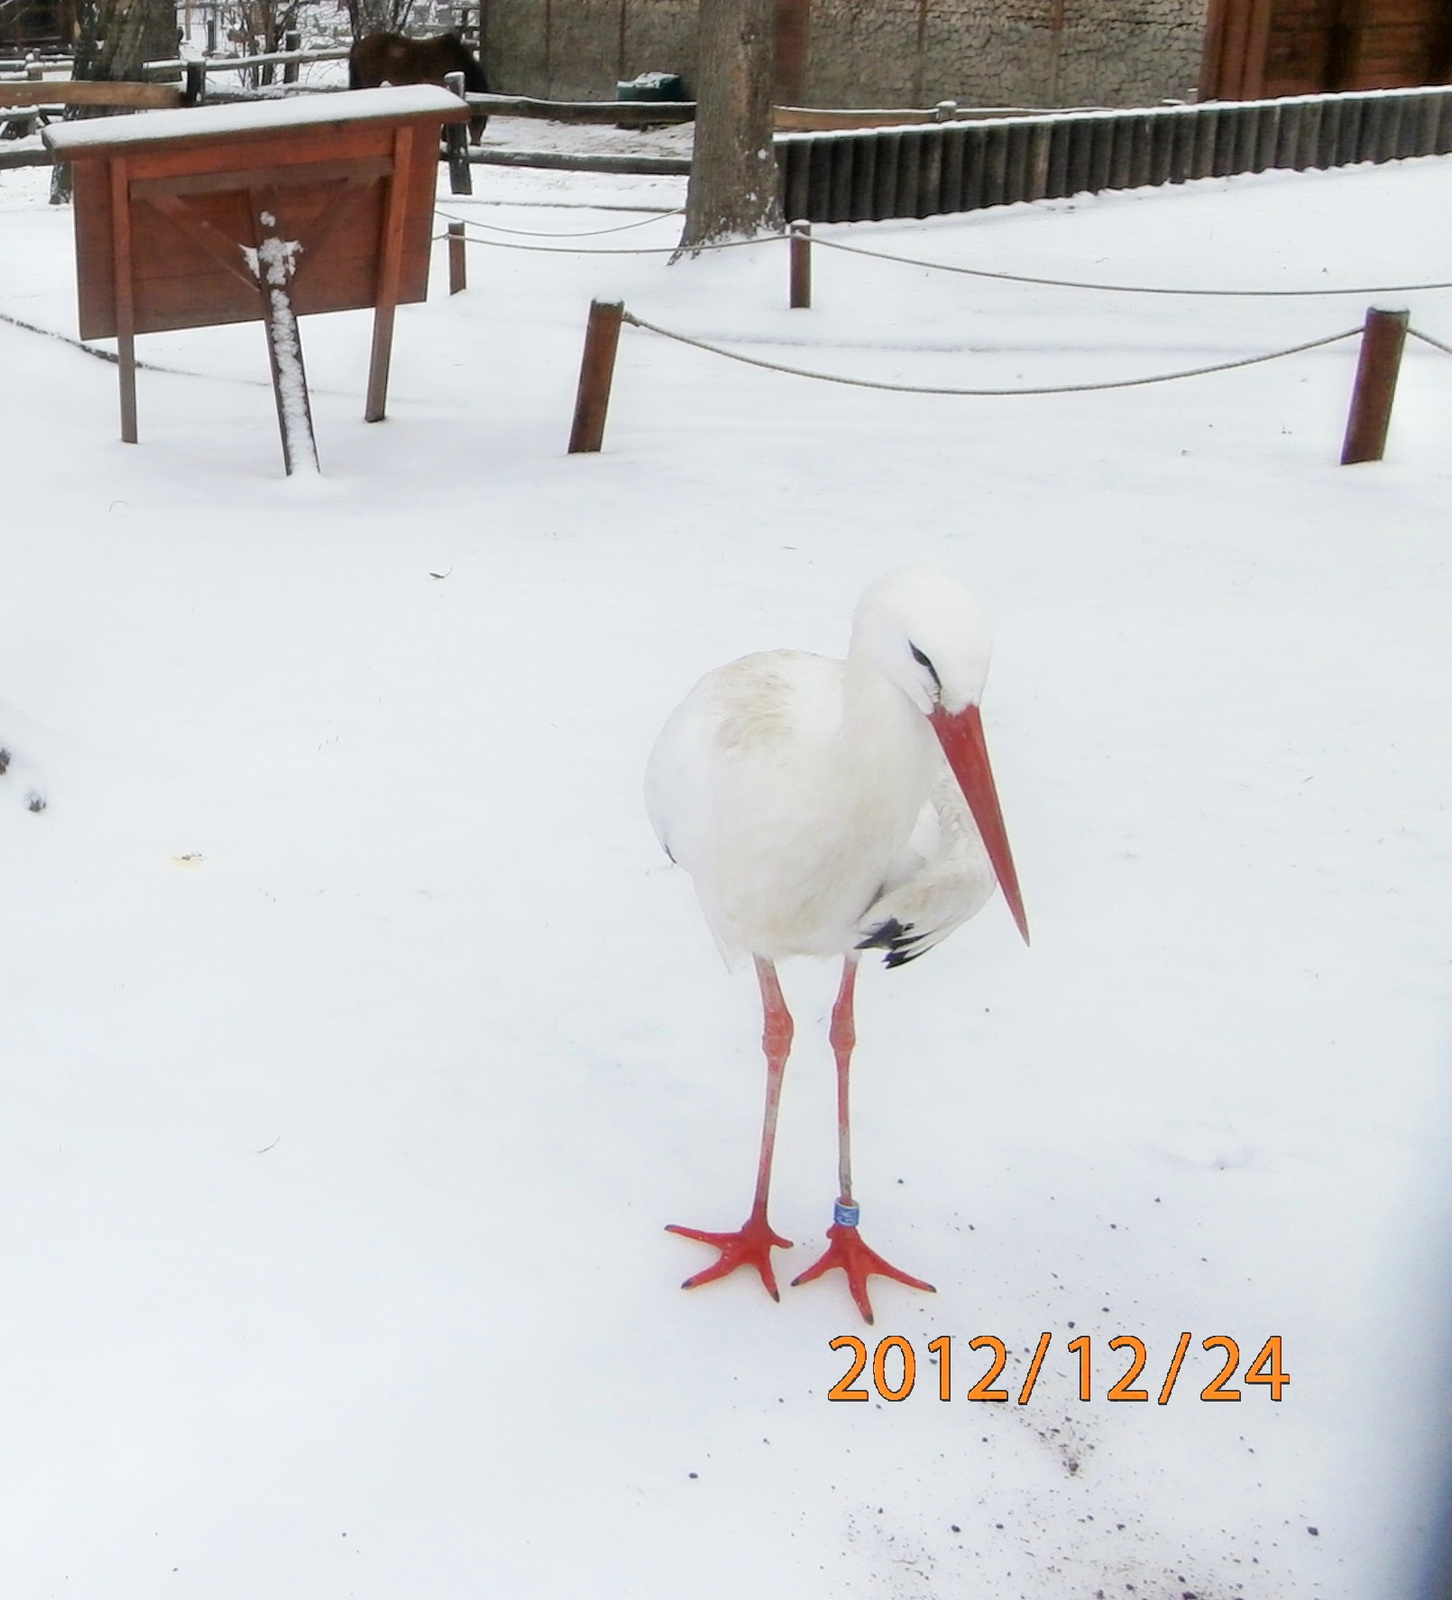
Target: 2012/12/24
(1265, 1369)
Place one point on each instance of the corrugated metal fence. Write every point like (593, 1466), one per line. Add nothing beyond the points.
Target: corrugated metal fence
(920, 172)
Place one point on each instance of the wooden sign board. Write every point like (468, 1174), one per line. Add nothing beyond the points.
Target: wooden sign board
(257, 212)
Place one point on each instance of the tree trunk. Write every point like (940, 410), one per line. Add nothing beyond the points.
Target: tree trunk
(793, 48)
(734, 187)
(114, 38)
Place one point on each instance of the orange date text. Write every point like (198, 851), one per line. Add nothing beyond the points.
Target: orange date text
(1127, 1372)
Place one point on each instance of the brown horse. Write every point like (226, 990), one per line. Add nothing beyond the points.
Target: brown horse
(390, 58)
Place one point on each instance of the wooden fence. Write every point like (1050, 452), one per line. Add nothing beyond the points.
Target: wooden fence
(921, 172)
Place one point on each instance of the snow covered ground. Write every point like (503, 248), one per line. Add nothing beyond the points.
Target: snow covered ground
(358, 1041)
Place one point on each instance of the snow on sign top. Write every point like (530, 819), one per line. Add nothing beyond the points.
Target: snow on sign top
(149, 127)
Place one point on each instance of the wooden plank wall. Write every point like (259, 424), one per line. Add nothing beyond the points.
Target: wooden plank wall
(921, 172)
(1259, 48)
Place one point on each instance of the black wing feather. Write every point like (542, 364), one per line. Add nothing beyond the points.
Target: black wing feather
(897, 939)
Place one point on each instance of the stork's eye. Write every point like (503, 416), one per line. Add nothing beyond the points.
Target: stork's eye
(923, 661)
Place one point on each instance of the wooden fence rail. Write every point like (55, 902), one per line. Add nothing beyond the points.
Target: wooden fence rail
(210, 64)
(956, 165)
(921, 172)
(786, 119)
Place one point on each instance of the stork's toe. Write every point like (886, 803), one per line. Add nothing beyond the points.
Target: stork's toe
(750, 1246)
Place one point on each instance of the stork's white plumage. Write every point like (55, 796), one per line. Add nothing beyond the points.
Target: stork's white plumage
(828, 807)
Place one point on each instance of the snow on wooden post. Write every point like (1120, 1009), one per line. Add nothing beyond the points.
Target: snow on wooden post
(257, 212)
(597, 368)
(456, 141)
(801, 265)
(1382, 338)
(458, 259)
(273, 261)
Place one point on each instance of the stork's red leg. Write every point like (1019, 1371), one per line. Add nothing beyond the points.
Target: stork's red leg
(846, 1249)
(751, 1245)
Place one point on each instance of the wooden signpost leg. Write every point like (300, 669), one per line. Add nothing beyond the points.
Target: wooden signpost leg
(284, 347)
(390, 263)
(125, 302)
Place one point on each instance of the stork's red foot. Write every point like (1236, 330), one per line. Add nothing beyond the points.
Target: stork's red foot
(750, 1246)
(859, 1263)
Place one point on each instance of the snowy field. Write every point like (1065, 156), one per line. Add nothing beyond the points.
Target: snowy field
(358, 1040)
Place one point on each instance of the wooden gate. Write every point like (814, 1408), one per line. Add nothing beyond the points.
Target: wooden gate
(1257, 49)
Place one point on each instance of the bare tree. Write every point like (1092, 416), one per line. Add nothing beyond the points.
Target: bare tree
(261, 27)
(114, 40)
(733, 192)
(378, 16)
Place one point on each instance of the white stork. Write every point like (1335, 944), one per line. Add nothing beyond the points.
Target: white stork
(818, 806)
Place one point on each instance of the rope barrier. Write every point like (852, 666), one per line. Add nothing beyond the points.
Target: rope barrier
(549, 250)
(1121, 288)
(639, 250)
(910, 388)
(64, 338)
(1427, 338)
(583, 233)
(141, 366)
(932, 266)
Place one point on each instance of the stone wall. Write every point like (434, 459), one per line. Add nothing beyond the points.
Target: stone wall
(875, 52)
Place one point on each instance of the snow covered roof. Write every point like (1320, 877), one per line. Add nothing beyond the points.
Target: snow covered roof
(149, 127)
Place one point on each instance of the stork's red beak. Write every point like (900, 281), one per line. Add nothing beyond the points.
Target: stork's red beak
(961, 736)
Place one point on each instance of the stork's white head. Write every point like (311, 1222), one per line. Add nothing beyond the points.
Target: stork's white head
(924, 632)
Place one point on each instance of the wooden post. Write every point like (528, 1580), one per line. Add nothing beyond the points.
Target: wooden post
(458, 259)
(211, 45)
(389, 263)
(125, 301)
(1382, 338)
(456, 142)
(597, 368)
(801, 265)
(290, 41)
(195, 91)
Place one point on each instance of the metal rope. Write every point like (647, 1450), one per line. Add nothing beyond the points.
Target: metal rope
(933, 266)
(141, 366)
(1427, 338)
(641, 250)
(584, 233)
(912, 388)
(1122, 288)
(65, 338)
